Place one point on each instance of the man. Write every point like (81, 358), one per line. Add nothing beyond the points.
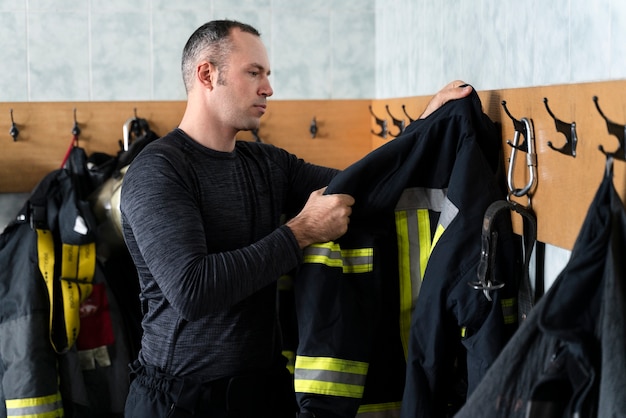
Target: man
(202, 218)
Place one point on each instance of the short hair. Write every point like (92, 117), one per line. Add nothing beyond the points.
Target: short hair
(212, 42)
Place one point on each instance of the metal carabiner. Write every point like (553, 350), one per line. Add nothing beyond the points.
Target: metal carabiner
(531, 159)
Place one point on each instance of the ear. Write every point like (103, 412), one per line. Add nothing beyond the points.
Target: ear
(206, 74)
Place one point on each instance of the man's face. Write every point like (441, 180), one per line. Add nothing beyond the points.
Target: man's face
(243, 85)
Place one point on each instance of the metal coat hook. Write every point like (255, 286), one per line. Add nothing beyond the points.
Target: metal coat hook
(407, 115)
(75, 129)
(14, 131)
(568, 130)
(523, 128)
(380, 122)
(313, 127)
(399, 123)
(520, 127)
(614, 129)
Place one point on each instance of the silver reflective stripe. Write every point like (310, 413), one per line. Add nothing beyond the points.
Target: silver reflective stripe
(331, 376)
(328, 249)
(415, 270)
(422, 198)
(352, 260)
(448, 213)
(49, 406)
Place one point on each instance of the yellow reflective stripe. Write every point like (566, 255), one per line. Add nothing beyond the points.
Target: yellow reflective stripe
(78, 265)
(45, 256)
(438, 233)
(333, 364)
(404, 268)
(50, 406)
(328, 388)
(425, 243)
(330, 376)
(291, 360)
(387, 410)
(71, 292)
(352, 260)
(509, 310)
(77, 270)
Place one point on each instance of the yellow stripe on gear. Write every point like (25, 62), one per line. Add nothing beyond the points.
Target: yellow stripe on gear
(50, 406)
(352, 260)
(407, 284)
(78, 264)
(330, 376)
(45, 254)
(386, 410)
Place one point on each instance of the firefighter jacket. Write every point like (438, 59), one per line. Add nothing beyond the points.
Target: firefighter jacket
(416, 223)
(568, 357)
(48, 267)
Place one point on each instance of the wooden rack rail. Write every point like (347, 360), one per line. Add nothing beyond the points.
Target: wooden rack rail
(346, 130)
(565, 185)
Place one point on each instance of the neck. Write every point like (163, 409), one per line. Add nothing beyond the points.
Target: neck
(207, 131)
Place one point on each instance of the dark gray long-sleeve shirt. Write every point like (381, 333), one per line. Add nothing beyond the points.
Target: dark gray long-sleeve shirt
(204, 230)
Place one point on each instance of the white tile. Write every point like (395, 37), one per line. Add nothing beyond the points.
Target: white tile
(121, 56)
(201, 7)
(58, 56)
(617, 53)
(118, 5)
(590, 45)
(171, 30)
(72, 6)
(353, 46)
(301, 69)
(300, 5)
(13, 65)
(12, 6)
(518, 71)
(552, 43)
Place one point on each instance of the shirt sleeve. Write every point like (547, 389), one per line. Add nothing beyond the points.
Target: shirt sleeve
(163, 229)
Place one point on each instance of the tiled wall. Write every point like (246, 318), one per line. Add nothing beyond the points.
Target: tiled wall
(421, 45)
(112, 50)
(72, 50)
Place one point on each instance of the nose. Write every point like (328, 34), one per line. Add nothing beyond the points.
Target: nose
(266, 89)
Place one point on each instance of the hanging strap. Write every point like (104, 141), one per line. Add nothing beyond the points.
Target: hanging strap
(486, 280)
(70, 282)
(78, 263)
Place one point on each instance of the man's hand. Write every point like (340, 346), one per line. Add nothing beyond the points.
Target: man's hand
(454, 90)
(324, 218)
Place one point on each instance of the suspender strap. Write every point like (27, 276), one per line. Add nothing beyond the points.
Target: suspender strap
(486, 281)
(78, 264)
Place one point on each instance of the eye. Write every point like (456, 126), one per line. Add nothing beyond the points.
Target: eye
(254, 73)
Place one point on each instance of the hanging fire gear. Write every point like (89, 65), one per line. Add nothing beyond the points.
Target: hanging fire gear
(567, 359)
(417, 218)
(49, 267)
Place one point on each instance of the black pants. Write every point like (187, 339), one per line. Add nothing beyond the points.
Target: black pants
(154, 394)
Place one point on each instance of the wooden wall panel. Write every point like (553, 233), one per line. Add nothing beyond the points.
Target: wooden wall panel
(346, 132)
(342, 130)
(565, 185)
(45, 133)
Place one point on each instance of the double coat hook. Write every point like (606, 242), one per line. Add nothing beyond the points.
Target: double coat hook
(380, 122)
(568, 130)
(619, 131)
(14, 131)
(399, 123)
